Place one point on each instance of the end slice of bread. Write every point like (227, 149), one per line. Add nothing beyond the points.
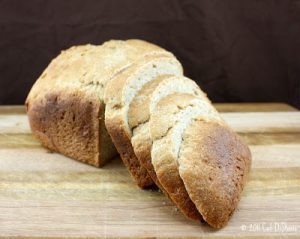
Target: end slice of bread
(213, 163)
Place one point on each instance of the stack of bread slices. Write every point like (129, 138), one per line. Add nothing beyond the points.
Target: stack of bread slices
(131, 97)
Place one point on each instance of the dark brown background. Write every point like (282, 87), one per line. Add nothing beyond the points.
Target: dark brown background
(237, 51)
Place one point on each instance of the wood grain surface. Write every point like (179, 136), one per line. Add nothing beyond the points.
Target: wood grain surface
(44, 194)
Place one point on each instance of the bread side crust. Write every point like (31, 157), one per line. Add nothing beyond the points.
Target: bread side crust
(67, 123)
(142, 146)
(167, 174)
(122, 141)
(213, 164)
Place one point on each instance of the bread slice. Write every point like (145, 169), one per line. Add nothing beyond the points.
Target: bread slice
(164, 130)
(141, 107)
(65, 106)
(118, 96)
(213, 164)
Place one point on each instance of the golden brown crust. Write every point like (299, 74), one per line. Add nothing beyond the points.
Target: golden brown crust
(213, 163)
(142, 149)
(122, 141)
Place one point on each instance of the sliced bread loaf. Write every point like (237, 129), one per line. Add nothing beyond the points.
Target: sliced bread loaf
(141, 107)
(65, 106)
(120, 92)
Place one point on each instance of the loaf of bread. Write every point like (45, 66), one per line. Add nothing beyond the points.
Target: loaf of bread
(65, 106)
(131, 97)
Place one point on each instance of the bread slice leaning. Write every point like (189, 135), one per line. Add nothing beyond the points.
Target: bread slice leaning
(213, 163)
(65, 105)
(206, 159)
(141, 107)
(169, 111)
(118, 96)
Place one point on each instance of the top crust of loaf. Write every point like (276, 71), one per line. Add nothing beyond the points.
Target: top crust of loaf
(90, 67)
(213, 164)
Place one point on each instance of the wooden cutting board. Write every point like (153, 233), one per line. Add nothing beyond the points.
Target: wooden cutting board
(44, 194)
